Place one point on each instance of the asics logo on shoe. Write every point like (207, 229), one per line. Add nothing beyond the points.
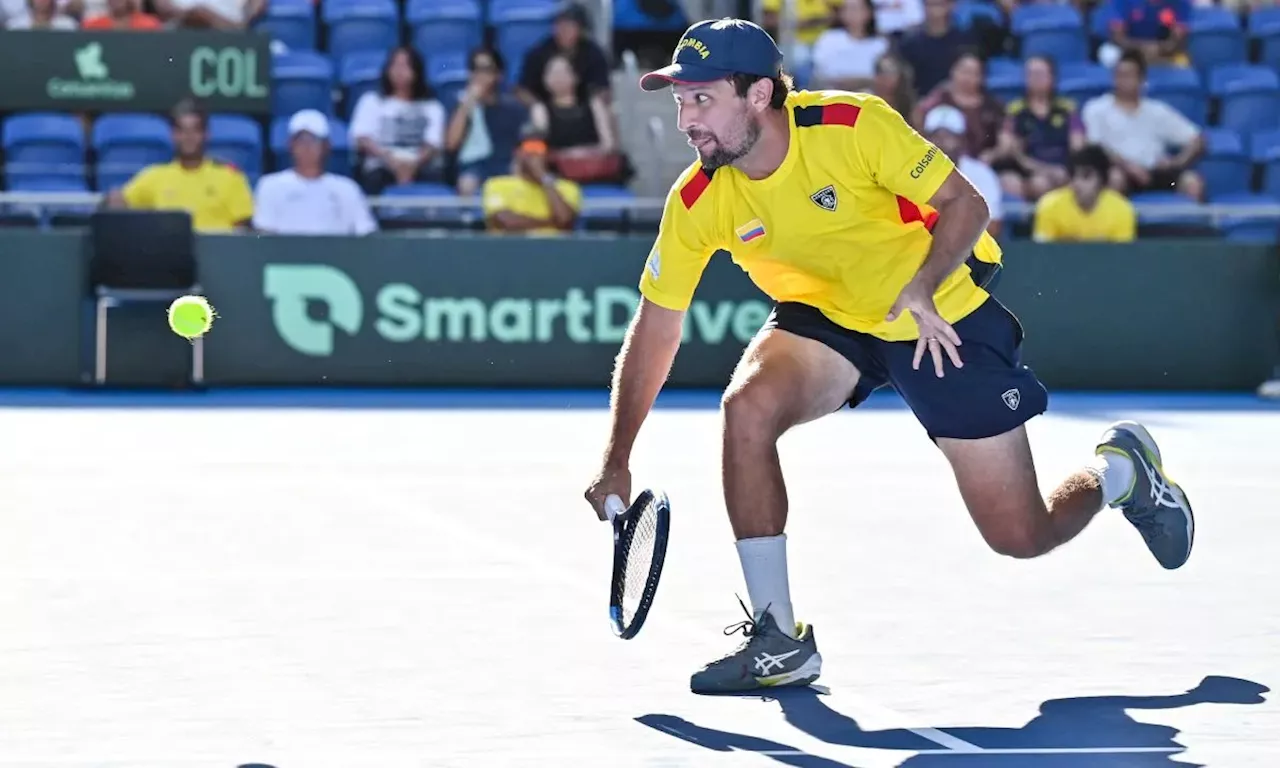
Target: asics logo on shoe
(1161, 492)
(766, 662)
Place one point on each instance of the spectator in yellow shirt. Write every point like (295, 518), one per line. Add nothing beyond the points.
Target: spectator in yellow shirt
(217, 195)
(1085, 210)
(531, 200)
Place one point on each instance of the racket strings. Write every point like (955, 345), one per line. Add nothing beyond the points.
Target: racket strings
(642, 537)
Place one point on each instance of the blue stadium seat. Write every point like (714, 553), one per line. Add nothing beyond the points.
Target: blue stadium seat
(1215, 37)
(301, 80)
(1100, 19)
(368, 25)
(127, 143)
(447, 73)
(1154, 201)
(1181, 89)
(966, 13)
(1007, 86)
(606, 217)
(1055, 31)
(444, 26)
(1249, 94)
(1083, 81)
(237, 140)
(340, 154)
(1226, 165)
(1246, 223)
(360, 73)
(630, 16)
(27, 183)
(1263, 232)
(1003, 65)
(520, 25)
(1265, 151)
(405, 215)
(1264, 27)
(291, 22)
(43, 143)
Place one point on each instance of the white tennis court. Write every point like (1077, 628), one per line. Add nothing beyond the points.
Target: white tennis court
(406, 587)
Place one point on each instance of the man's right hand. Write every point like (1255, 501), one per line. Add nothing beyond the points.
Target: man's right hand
(612, 480)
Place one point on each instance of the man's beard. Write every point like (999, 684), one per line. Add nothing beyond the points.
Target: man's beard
(725, 155)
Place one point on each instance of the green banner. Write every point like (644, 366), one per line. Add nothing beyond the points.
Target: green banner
(122, 71)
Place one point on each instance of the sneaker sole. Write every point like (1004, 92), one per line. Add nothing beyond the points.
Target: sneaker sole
(1149, 443)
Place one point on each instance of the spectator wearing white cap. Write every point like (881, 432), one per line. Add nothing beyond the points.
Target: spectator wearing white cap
(306, 200)
(945, 126)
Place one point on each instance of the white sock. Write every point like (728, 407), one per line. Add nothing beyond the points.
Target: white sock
(1115, 474)
(764, 567)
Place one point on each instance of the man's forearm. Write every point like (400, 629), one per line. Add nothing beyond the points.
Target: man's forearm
(643, 363)
(960, 223)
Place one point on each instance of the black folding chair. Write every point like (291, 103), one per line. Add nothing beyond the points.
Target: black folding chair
(141, 257)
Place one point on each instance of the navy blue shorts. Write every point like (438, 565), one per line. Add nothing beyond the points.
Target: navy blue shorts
(992, 394)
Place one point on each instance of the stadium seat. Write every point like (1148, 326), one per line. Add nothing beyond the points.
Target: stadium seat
(967, 13)
(1004, 65)
(447, 73)
(413, 216)
(1007, 86)
(291, 22)
(1181, 89)
(340, 154)
(1215, 37)
(444, 26)
(127, 143)
(519, 26)
(1246, 221)
(367, 25)
(1100, 19)
(27, 183)
(1249, 94)
(1083, 81)
(237, 140)
(359, 73)
(43, 144)
(1051, 30)
(301, 80)
(1226, 166)
(1264, 27)
(1265, 152)
(646, 16)
(1150, 203)
(605, 218)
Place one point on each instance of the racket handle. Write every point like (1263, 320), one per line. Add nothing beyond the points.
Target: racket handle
(614, 506)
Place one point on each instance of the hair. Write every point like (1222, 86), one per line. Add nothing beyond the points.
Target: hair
(484, 50)
(783, 84)
(188, 108)
(1090, 157)
(903, 97)
(970, 52)
(421, 89)
(870, 29)
(1135, 58)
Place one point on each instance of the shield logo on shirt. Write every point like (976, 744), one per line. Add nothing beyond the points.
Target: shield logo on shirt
(825, 198)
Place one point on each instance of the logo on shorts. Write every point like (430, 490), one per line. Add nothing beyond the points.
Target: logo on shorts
(1011, 398)
(825, 198)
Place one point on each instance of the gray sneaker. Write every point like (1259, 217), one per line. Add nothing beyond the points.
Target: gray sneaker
(1155, 505)
(768, 658)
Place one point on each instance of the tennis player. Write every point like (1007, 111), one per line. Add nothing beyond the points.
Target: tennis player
(874, 249)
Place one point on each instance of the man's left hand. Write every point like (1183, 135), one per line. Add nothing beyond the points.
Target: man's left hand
(936, 334)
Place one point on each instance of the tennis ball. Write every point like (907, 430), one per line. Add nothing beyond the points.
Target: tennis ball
(191, 316)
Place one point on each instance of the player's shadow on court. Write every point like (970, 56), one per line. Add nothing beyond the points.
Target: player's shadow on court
(1087, 723)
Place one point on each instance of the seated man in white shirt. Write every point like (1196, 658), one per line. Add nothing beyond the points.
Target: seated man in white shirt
(945, 126)
(305, 200)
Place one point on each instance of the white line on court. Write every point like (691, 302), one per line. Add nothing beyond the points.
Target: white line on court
(952, 745)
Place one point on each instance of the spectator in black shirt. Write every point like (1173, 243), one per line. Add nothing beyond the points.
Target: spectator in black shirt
(934, 48)
(568, 38)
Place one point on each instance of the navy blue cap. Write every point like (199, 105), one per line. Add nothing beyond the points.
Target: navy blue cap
(713, 50)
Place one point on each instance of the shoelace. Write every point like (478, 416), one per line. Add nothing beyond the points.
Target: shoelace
(748, 627)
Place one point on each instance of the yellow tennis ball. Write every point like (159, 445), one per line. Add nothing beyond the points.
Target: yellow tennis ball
(191, 316)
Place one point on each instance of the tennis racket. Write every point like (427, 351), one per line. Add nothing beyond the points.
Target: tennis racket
(639, 550)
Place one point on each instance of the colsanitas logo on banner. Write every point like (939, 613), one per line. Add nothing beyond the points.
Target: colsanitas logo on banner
(403, 314)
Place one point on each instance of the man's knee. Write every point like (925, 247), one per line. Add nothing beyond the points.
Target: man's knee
(753, 408)
(1018, 536)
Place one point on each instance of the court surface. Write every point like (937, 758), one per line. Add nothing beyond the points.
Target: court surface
(414, 581)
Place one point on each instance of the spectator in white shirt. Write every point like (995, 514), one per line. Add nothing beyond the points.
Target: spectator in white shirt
(945, 125)
(305, 200)
(1139, 133)
(42, 14)
(399, 128)
(845, 57)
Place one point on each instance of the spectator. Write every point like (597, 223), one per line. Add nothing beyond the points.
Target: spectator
(1085, 210)
(399, 128)
(122, 14)
(1155, 28)
(932, 51)
(893, 17)
(1138, 134)
(230, 15)
(945, 127)
(216, 195)
(41, 14)
(966, 90)
(569, 39)
(845, 57)
(531, 200)
(304, 199)
(811, 18)
(486, 125)
(580, 135)
(895, 83)
(1040, 132)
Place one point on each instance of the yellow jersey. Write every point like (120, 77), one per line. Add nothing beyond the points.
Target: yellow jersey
(842, 225)
(1059, 218)
(215, 194)
(521, 196)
